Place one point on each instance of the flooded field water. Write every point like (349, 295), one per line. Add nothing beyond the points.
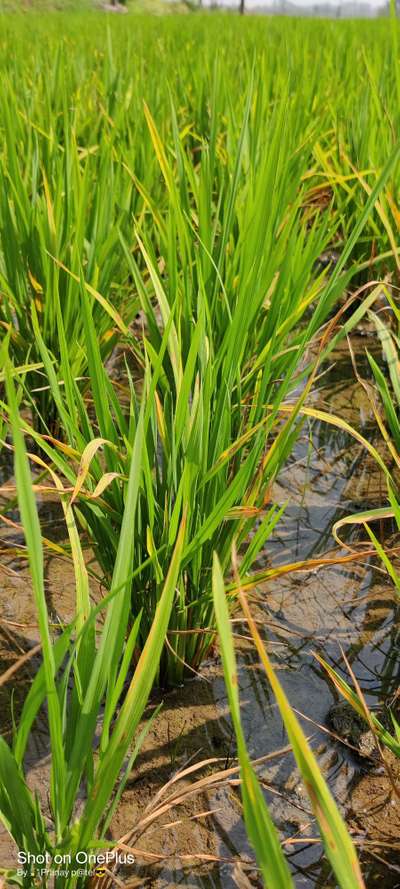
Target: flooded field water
(346, 607)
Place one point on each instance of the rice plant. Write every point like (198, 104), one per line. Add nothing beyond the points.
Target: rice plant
(82, 173)
(338, 845)
(217, 363)
(386, 408)
(81, 681)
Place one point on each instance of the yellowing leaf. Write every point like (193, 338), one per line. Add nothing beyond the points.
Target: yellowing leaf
(35, 284)
(84, 466)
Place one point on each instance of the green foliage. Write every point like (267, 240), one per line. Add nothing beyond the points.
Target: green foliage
(338, 845)
(97, 674)
(207, 207)
(202, 202)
